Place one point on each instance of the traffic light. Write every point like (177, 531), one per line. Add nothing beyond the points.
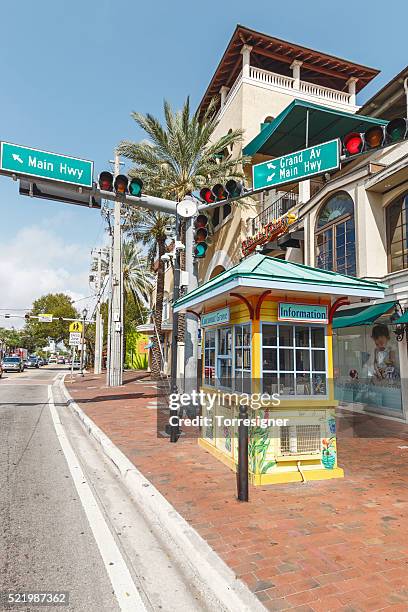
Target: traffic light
(218, 193)
(135, 187)
(105, 181)
(27, 317)
(122, 185)
(200, 236)
(375, 137)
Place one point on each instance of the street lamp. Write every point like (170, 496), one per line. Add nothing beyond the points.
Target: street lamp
(84, 315)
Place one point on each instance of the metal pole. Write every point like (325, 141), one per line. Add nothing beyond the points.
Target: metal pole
(98, 318)
(174, 426)
(242, 475)
(191, 328)
(72, 363)
(116, 373)
(82, 345)
(108, 348)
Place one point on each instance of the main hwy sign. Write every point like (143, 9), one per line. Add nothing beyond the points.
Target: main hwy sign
(297, 166)
(42, 164)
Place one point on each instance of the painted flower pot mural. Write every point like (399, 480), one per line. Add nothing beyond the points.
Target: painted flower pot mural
(329, 453)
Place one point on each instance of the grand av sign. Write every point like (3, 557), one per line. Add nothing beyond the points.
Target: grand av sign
(307, 313)
(297, 166)
(217, 317)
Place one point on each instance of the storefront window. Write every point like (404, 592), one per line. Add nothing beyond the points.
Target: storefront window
(397, 235)
(335, 236)
(293, 359)
(243, 358)
(209, 357)
(367, 373)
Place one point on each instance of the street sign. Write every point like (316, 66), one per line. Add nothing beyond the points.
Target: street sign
(74, 338)
(297, 166)
(76, 326)
(42, 164)
(45, 318)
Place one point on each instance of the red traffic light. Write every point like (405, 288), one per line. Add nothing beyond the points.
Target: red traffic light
(353, 143)
(207, 195)
(105, 181)
(121, 184)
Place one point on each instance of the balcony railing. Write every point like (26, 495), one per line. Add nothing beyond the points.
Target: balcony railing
(278, 208)
(303, 90)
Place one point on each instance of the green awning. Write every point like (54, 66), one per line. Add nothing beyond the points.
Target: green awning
(363, 315)
(260, 272)
(402, 319)
(287, 132)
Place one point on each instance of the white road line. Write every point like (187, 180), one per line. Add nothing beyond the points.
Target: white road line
(123, 585)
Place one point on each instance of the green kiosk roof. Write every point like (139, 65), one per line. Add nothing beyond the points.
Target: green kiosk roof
(363, 315)
(260, 272)
(287, 132)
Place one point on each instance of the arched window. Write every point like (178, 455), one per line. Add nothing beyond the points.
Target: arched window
(335, 235)
(217, 270)
(397, 233)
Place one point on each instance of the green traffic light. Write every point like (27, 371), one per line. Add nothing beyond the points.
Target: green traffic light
(200, 249)
(135, 187)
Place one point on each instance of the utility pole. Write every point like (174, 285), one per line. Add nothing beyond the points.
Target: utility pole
(98, 317)
(116, 327)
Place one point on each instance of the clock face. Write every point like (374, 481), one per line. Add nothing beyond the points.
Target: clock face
(186, 208)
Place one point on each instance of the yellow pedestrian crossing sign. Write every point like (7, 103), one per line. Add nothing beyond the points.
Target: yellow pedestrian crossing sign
(76, 326)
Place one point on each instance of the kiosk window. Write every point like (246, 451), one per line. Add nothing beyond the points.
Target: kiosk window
(293, 359)
(243, 358)
(224, 357)
(209, 357)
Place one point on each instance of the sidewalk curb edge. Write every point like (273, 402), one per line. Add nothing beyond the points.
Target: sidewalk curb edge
(216, 578)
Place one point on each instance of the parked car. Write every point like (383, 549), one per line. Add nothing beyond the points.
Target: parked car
(76, 365)
(13, 364)
(52, 360)
(61, 360)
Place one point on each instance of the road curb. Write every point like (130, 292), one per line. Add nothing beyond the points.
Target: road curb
(212, 576)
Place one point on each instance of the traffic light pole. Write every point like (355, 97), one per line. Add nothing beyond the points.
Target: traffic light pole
(98, 318)
(116, 327)
(191, 331)
(174, 427)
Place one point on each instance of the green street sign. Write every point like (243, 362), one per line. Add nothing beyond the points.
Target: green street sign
(42, 164)
(297, 166)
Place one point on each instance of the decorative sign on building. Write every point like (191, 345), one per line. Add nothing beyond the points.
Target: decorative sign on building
(269, 232)
(308, 313)
(216, 317)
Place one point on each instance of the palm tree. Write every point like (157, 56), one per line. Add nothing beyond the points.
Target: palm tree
(137, 278)
(148, 227)
(177, 159)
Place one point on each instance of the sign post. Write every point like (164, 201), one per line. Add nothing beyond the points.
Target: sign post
(42, 164)
(297, 166)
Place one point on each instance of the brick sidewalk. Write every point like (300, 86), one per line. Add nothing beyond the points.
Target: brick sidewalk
(325, 545)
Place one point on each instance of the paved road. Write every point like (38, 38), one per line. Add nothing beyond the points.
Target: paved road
(66, 521)
(45, 539)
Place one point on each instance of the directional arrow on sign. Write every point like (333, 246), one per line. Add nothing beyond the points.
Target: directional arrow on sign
(270, 177)
(270, 166)
(17, 158)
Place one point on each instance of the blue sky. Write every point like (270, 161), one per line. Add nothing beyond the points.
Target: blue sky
(72, 72)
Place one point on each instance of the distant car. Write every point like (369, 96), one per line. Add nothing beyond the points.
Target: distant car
(12, 364)
(76, 365)
(52, 360)
(40, 361)
(32, 362)
(61, 360)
